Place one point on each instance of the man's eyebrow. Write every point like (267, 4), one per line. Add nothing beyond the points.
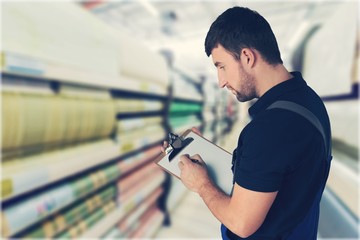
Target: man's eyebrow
(217, 64)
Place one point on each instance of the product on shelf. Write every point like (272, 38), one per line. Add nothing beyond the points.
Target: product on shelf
(130, 198)
(149, 223)
(137, 105)
(75, 231)
(127, 224)
(182, 107)
(141, 137)
(36, 119)
(127, 125)
(63, 220)
(35, 208)
(130, 181)
(27, 173)
(129, 164)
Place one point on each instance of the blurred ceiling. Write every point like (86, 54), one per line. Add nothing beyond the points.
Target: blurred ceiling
(181, 26)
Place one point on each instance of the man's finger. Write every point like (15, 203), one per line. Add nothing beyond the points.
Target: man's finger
(185, 158)
(164, 146)
(181, 165)
(194, 129)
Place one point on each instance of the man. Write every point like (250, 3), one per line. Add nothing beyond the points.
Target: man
(282, 159)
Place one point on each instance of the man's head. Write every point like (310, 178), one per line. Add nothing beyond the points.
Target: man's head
(233, 75)
(239, 28)
(241, 43)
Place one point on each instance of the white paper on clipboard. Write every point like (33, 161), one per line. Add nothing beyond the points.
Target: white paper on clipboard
(217, 160)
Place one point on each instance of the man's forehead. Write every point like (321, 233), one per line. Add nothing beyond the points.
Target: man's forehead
(219, 54)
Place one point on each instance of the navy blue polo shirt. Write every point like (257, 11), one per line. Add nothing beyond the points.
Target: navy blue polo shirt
(280, 150)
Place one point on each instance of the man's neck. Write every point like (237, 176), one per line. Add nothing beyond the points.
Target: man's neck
(269, 76)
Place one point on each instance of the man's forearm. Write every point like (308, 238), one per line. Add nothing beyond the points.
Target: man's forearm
(243, 213)
(228, 210)
(216, 200)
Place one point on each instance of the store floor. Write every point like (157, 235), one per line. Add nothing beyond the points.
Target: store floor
(191, 219)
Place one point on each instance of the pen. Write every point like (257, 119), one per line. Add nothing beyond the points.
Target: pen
(194, 160)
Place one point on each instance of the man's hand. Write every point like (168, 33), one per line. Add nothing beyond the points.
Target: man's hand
(194, 173)
(195, 130)
(164, 146)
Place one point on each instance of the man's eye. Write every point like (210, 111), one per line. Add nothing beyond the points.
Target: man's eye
(222, 67)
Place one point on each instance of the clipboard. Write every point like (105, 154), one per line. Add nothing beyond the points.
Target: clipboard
(218, 160)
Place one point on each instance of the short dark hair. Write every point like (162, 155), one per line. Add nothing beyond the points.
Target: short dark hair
(239, 28)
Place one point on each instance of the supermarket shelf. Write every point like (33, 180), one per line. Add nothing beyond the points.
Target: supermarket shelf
(124, 208)
(136, 94)
(139, 114)
(104, 224)
(58, 180)
(187, 99)
(50, 167)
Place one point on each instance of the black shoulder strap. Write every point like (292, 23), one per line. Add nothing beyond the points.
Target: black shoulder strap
(313, 213)
(294, 107)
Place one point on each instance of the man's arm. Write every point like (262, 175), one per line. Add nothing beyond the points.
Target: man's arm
(242, 213)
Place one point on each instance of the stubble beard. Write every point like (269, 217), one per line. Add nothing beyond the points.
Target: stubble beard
(247, 88)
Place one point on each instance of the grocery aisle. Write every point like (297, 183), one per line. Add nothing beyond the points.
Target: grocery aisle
(80, 133)
(191, 219)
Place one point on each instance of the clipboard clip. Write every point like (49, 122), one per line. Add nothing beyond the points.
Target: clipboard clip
(176, 144)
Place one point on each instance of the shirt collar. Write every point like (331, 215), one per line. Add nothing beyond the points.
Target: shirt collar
(275, 92)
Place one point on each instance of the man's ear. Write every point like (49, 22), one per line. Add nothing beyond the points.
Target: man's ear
(248, 57)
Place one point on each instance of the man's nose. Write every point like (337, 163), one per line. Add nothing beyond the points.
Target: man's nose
(222, 82)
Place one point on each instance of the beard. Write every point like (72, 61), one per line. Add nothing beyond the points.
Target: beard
(247, 89)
